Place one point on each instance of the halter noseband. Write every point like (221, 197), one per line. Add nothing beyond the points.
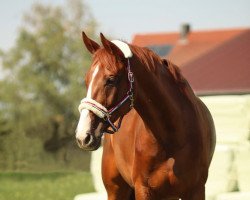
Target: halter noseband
(102, 112)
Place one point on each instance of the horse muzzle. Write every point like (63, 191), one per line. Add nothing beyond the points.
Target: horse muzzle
(89, 142)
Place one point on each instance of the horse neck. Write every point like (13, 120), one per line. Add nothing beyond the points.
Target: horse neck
(160, 104)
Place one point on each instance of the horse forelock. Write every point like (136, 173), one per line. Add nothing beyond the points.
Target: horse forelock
(104, 59)
(109, 61)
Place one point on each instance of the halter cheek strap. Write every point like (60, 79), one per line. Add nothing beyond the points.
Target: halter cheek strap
(102, 112)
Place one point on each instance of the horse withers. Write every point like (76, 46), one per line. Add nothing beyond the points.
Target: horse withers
(159, 137)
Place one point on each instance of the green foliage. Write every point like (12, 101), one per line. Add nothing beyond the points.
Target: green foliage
(43, 85)
(41, 186)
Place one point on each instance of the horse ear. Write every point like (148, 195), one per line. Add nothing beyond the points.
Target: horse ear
(111, 47)
(91, 45)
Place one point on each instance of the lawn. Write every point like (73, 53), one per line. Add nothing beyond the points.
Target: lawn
(44, 186)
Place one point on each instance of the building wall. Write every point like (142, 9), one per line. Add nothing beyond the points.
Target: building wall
(229, 174)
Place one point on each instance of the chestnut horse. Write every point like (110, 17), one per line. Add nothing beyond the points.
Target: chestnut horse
(162, 136)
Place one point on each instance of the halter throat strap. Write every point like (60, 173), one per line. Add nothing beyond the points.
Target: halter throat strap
(102, 112)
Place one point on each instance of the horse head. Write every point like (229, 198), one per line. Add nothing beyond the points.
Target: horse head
(109, 91)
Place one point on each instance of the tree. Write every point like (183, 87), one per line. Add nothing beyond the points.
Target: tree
(42, 88)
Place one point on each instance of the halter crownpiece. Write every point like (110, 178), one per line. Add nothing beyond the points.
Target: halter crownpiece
(101, 111)
(124, 48)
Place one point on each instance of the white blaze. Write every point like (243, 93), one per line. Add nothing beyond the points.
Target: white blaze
(89, 93)
(85, 121)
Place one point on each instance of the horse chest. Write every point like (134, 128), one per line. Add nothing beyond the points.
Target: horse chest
(151, 165)
(163, 175)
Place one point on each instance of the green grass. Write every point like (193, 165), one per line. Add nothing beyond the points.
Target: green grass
(44, 186)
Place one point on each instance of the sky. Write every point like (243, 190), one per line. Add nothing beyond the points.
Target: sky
(125, 18)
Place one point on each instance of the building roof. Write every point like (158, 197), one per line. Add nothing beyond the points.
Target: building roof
(223, 70)
(214, 61)
(149, 39)
(196, 44)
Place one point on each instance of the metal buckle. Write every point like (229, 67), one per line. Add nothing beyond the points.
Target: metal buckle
(131, 77)
(131, 97)
(131, 101)
(106, 117)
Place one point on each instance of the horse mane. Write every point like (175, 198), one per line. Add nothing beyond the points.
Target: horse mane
(176, 72)
(152, 61)
(147, 57)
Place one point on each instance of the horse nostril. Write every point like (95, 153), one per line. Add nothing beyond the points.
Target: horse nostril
(85, 142)
(88, 139)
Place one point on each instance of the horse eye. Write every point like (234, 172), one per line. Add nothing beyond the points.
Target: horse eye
(111, 81)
